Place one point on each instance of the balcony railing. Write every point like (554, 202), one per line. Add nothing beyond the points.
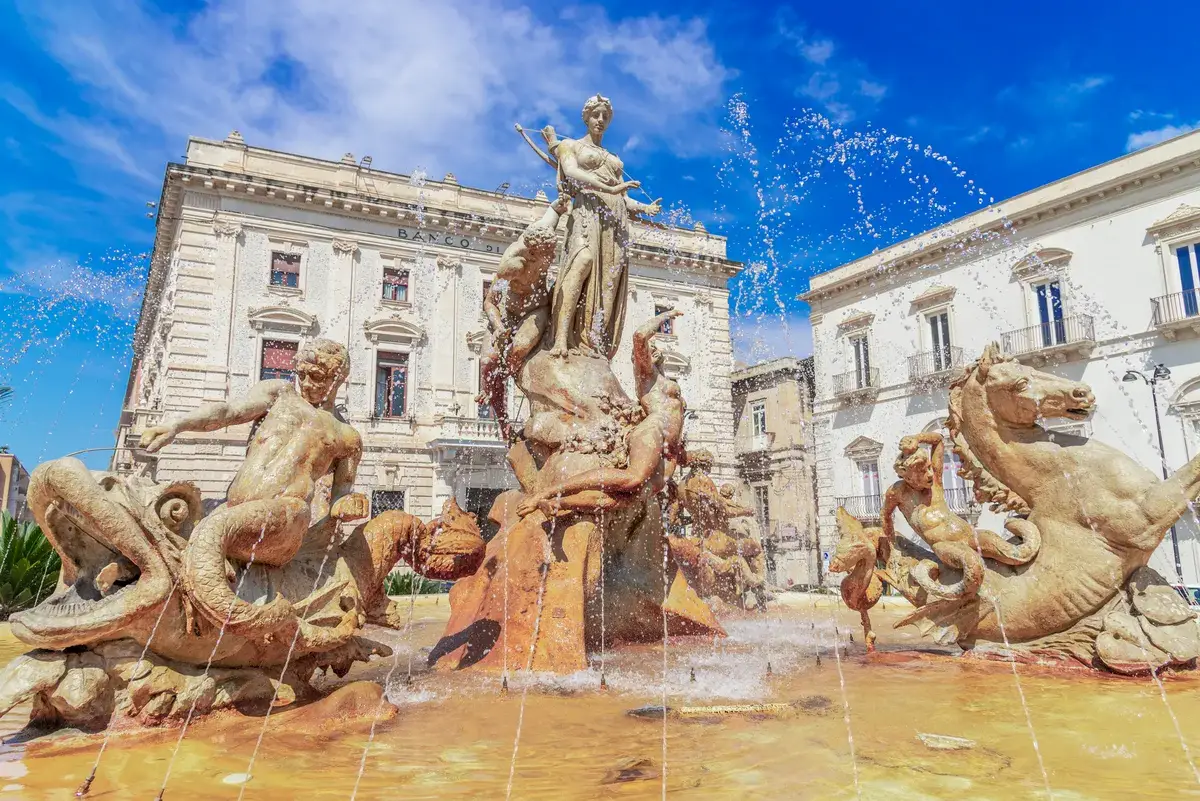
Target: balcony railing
(1181, 309)
(934, 363)
(1076, 332)
(867, 508)
(469, 428)
(864, 507)
(852, 383)
(961, 501)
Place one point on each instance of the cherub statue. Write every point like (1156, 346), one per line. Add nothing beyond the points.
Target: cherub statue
(655, 444)
(517, 307)
(297, 441)
(921, 499)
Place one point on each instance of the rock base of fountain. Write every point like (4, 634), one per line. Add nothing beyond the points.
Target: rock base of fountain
(113, 686)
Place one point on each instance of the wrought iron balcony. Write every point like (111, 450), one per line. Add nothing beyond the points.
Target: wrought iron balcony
(1176, 313)
(1068, 337)
(857, 384)
(961, 501)
(864, 507)
(932, 365)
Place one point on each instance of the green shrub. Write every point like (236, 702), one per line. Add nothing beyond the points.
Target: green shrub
(403, 584)
(28, 566)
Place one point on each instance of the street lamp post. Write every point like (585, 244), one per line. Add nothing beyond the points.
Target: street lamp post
(1161, 373)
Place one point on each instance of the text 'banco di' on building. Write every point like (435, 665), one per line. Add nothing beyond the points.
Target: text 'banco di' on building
(1092, 277)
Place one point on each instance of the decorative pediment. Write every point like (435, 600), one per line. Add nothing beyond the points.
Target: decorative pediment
(393, 329)
(938, 425)
(675, 363)
(1184, 219)
(933, 296)
(857, 321)
(1186, 400)
(283, 318)
(1041, 261)
(476, 340)
(864, 448)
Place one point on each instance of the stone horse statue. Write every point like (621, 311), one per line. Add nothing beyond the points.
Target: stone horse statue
(1088, 594)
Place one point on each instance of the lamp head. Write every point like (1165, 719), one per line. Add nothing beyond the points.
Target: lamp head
(1131, 375)
(1161, 373)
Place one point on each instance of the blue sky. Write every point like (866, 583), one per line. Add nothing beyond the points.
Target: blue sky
(809, 134)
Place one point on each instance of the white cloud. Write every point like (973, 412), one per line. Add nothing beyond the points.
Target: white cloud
(872, 89)
(762, 337)
(840, 86)
(1089, 84)
(1140, 139)
(817, 52)
(407, 81)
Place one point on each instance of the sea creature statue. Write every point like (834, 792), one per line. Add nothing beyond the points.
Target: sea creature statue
(860, 553)
(921, 498)
(122, 641)
(1088, 593)
(296, 442)
(150, 590)
(721, 556)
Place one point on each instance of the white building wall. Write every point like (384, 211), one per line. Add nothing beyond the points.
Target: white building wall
(230, 207)
(1117, 259)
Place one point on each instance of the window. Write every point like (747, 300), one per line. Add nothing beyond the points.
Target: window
(862, 362)
(395, 284)
(391, 384)
(758, 417)
(1188, 259)
(868, 473)
(285, 269)
(386, 501)
(762, 507)
(951, 464)
(1050, 313)
(668, 326)
(939, 339)
(278, 360)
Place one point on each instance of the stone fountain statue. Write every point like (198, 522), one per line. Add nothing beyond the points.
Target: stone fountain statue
(722, 555)
(582, 541)
(160, 611)
(1077, 585)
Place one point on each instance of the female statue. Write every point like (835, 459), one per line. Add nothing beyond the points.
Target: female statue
(589, 296)
(920, 497)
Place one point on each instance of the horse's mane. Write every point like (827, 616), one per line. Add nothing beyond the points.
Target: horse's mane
(988, 489)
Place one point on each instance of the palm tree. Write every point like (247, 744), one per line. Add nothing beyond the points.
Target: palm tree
(28, 565)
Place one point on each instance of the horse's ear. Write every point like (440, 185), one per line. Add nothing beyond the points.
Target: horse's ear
(991, 355)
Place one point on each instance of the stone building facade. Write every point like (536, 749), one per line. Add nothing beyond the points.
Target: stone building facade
(14, 486)
(257, 250)
(1089, 277)
(772, 404)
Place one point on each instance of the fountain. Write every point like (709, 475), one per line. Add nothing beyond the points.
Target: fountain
(250, 648)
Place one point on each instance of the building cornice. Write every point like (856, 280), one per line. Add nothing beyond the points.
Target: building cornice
(1067, 195)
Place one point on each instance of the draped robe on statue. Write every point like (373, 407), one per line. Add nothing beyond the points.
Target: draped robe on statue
(599, 226)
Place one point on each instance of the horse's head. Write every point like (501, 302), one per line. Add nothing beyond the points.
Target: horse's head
(1019, 395)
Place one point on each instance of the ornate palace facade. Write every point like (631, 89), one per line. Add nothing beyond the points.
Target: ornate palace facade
(257, 250)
